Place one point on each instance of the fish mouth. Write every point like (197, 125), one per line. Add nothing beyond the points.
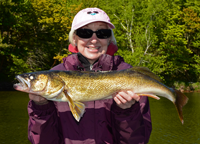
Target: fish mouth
(23, 84)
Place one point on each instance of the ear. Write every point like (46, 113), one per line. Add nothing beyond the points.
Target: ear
(74, 40)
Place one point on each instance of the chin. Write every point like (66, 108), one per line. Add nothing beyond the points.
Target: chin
(93, 56)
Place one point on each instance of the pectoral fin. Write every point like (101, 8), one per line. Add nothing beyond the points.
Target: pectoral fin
(77, 108)
(150, 95)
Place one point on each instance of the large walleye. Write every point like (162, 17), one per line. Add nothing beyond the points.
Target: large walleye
(76, 87)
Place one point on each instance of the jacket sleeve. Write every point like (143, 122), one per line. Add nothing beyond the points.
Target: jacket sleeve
(44, 124)
(132, 125)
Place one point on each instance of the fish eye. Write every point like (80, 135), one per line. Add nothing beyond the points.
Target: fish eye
(31, 77)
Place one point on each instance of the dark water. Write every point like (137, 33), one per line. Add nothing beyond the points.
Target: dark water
(167, 128)
(13, 117)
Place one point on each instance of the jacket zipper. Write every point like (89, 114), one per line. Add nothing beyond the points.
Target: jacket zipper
(91, 66)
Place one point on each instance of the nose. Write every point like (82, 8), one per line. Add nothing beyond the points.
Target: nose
(94, 38)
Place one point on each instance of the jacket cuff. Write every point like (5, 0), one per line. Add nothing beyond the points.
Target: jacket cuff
(32, 104)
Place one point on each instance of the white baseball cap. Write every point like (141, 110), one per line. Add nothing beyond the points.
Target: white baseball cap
(90, 15)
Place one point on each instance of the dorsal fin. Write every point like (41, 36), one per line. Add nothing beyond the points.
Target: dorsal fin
(146, 71)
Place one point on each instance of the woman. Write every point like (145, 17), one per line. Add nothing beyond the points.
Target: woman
(123, 119)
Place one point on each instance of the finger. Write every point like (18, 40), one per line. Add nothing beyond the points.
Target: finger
(114, 95)
(126, 100)
(126, 96)
(118, 102)
(122, 97)
(133, 95)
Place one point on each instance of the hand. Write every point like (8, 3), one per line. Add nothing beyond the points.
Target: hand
(125, 99)
(38, 99)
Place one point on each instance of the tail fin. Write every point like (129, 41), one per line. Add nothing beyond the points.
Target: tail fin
(181, 100)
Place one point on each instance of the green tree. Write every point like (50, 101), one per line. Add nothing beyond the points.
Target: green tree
(162, 35)
(177, 29)
(55, 18)
(10, 46)
(191, 20)
(134, 21)
(32, 33)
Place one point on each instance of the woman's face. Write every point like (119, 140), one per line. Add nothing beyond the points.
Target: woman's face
(92, 48)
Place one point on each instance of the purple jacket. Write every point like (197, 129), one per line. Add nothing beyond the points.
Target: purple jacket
(103, 122)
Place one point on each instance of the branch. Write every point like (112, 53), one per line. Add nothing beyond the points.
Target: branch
(120, 22)
(128, 29)
(148, 39)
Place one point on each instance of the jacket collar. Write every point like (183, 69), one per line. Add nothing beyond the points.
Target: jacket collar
(79, 62)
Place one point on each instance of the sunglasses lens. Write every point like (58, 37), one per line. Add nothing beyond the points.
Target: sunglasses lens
(84, 33)
(103, 33)
(87, 33)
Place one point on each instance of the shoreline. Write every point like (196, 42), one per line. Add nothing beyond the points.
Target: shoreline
(187, 87)
(198, 91)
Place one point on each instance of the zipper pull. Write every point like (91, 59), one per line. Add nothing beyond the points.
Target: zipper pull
(91, 66)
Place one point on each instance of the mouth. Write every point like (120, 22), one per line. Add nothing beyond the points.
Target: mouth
(94, 47)
(22, 85)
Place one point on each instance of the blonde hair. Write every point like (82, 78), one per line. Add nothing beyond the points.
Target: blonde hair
(72, 33)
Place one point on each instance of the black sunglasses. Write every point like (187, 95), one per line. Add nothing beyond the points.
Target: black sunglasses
(87, 33)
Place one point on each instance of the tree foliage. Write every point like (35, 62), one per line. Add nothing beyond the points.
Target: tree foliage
(32, 33)
(163, 35)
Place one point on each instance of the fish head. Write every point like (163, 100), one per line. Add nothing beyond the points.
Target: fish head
(31, 82)
(44, 83)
